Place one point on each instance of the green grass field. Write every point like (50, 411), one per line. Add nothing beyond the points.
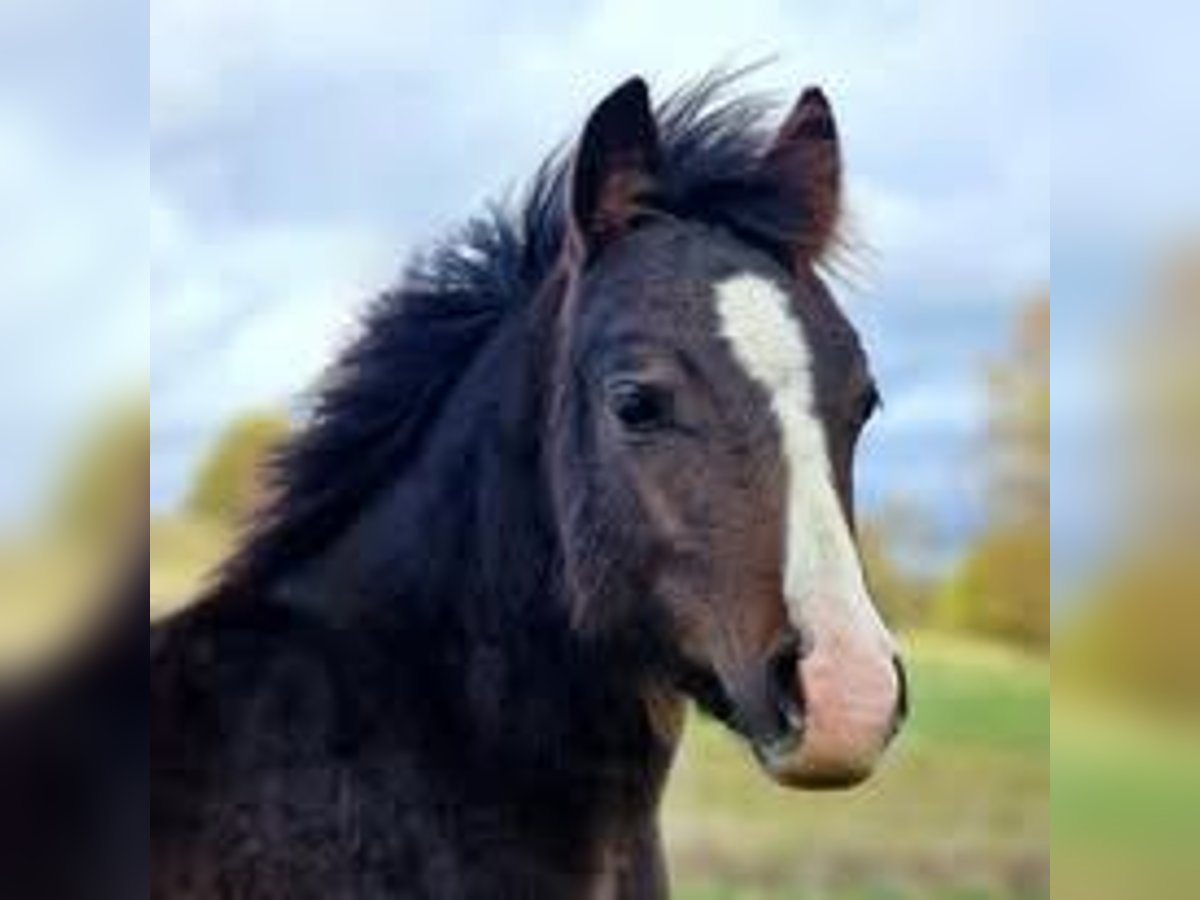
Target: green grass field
(961, 811)
(1126, 804)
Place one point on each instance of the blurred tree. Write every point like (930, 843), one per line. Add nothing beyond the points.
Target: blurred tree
(230, 483)
(1136, 636)
(1002, 588)
(105, 485)
(1160, 412)
(893, 543)
(1139, 631)
(1019, 422)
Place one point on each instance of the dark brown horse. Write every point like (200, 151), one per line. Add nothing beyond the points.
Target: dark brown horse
(590, 458)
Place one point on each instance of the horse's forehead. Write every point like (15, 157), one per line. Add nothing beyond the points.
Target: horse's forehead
(767, 340)
(733, 312)
(788, 338)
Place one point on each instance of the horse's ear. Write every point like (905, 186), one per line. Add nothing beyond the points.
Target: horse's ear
(805, 163)
(614, 168)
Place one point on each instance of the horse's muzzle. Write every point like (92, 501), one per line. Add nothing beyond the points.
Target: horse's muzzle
(842, 701)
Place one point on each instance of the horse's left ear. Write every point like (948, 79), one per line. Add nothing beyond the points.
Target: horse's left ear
(614, 168)
(805, 163)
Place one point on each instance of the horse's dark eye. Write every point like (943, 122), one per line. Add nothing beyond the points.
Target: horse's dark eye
(868, 404)
(639, 407)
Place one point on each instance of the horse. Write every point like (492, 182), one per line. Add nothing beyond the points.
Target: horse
(589, 459)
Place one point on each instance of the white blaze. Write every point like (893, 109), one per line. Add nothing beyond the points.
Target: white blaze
(823, 577)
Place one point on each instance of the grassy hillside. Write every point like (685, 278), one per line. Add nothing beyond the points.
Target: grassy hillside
(1126, 808)
(962, 811)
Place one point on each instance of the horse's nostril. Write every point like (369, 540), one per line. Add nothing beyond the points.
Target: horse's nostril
(785, 684)
(902, 708)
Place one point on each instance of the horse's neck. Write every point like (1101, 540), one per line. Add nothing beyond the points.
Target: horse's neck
(462, 533)
(454, 576)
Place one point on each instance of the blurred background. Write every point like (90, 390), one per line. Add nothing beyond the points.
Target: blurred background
(279, 162)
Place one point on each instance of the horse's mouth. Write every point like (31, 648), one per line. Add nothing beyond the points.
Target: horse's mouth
(835, 730)
(816, 721)
(784, 763)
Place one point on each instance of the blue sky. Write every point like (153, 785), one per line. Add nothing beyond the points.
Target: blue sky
(241, 176)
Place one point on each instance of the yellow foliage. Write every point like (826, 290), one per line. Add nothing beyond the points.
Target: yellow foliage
(1136, 637)
(1138, 632)
(1002, 589)
(106, 483)
(231, 481)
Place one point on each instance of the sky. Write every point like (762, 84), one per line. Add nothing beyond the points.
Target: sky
(209, 193)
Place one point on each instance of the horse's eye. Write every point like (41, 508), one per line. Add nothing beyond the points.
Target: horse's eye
(639, 407)
(869, 402)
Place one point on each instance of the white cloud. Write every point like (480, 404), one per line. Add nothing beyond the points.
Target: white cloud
(956, 246)
(73, 299)
(1126, 134)
(287, 295)
(954, 406)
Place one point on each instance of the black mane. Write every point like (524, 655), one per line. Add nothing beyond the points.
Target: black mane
(374, 406)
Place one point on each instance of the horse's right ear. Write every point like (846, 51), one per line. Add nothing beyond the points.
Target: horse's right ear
(614, 169)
